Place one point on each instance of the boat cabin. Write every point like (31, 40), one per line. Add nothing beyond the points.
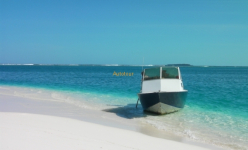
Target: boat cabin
(161, 79)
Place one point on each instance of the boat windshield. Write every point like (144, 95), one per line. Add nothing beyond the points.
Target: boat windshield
(152, 73)
(167, 73)
(171, 73)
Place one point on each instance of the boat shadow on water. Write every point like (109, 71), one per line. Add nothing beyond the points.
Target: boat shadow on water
(129, 111)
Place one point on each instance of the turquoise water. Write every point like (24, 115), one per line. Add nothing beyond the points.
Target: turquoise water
(216, 109)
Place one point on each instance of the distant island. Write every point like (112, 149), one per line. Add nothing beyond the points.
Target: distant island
(179, 65)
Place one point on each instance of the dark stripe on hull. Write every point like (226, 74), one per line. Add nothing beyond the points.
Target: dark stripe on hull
(174, 99)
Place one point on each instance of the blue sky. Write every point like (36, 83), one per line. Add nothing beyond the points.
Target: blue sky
(198, 32)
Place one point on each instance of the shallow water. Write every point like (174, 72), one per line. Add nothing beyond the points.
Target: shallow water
(216, 107)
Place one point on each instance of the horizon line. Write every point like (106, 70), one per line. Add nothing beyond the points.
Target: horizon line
(181, 65)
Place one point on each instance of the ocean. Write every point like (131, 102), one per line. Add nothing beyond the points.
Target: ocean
(216, 110)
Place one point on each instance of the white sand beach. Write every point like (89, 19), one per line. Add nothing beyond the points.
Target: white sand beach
(32, 123)
(33, 131)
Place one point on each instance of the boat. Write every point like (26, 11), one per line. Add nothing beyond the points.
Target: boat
(162, 90)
